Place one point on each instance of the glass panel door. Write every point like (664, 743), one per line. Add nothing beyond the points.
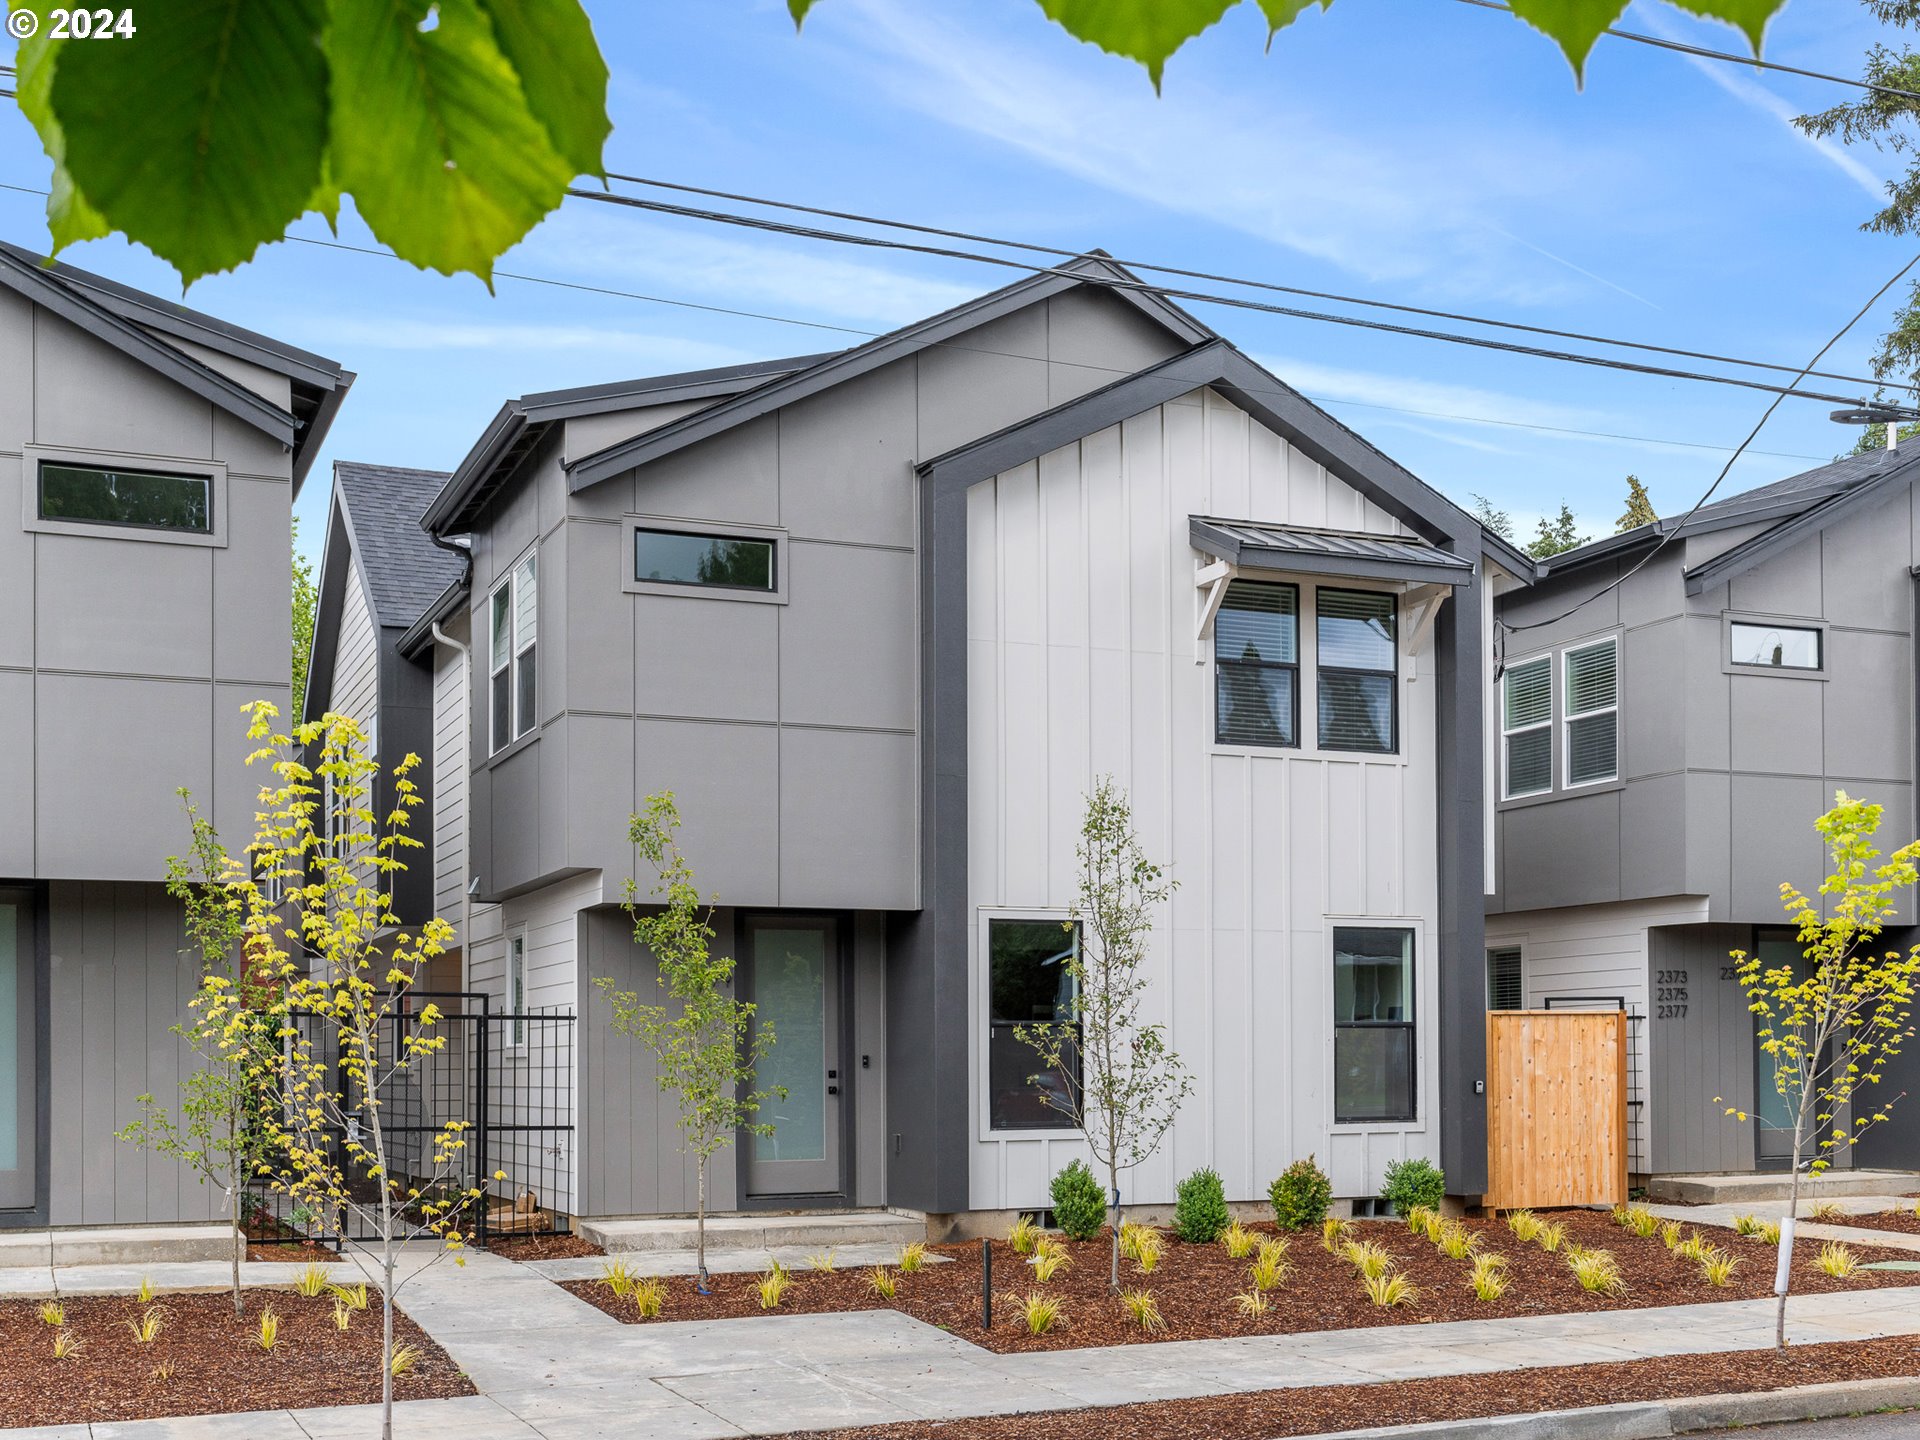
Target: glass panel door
(1773, 1112)
(19, 1060)
(794, 966)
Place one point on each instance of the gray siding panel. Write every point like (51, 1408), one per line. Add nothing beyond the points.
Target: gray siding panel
(1563, 853)
(1771, 821)
(1705, 1053)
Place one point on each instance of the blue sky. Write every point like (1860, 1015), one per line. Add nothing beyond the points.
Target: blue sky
(1429, 153)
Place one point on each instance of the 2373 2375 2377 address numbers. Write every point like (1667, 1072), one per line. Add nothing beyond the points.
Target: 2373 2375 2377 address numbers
(72, 24)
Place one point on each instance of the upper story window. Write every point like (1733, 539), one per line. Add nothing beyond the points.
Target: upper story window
(1357, 671)
(1778, 647)
(1256, 651)
(1592, 706)
(683, 557)
(514, 615)
(139, 499)
(1526, 727)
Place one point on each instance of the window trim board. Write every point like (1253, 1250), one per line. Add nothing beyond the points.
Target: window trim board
(218, 491)
(721, 529)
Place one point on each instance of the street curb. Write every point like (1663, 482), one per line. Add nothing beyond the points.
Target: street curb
(1653, 1419)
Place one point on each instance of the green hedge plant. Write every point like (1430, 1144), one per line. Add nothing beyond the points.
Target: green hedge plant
(1414, 1182)
(1301, 1196)
(1200, 1208)
(1079, 1204)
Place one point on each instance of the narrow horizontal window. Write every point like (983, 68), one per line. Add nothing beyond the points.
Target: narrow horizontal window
(1030, 983)
(1526, 723)
(1256, 651)
(1779, 647)
(677, 557)
(1592, 713)
(144, 499)
(1357, 670)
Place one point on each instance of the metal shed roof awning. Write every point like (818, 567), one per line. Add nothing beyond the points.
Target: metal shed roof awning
(1247, 544)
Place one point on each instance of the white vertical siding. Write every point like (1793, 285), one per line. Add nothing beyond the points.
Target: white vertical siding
(450, 762)
(1081, 662)
(1598, 952)
(356, 661)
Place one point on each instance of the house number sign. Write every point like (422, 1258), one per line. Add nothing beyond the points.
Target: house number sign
(1669, 994)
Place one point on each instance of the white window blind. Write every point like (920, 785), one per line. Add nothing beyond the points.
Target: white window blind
(1526, 722)
(1593, 713)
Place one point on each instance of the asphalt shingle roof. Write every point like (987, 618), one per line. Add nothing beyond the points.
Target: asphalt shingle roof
(1811, 486)
(406, 572)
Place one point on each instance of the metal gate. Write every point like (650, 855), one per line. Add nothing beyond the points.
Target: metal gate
(507, 1074)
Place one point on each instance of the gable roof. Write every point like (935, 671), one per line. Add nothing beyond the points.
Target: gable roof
(141, 326)
(520, 425)
(1268, 399)
(374, 540)
(1088, 270)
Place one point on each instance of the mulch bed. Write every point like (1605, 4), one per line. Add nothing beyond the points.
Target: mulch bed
(217, 1365)
(1195, 1286)
(1904, 1221)
(543, 1247)
(1262, 1414)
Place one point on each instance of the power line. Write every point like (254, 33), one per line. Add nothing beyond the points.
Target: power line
(1117, 371)
(1202, 297)
(1215, 278)
(1766, 415)
(1749, 60)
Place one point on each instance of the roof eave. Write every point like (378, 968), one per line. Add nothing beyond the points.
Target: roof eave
(449, 506)
(420, 634)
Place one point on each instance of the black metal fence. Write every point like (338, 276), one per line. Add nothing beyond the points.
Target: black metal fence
(1636, 1090)
(508, 1075)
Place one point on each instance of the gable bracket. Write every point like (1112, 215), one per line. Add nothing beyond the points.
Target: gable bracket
(1427, 600)
(1210, 583)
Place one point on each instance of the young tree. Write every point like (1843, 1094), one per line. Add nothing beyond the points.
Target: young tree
(1831, 1024)
(704, 1042)
(1498, 521)
(218, 1134)
(349, 1034)
(1639, 509)
(306, 599)
(1121, 1085)
(1555, 535)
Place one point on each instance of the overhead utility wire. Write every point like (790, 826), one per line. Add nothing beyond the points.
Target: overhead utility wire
(1766, 415)
(1749, 60)
(781, 227)
(1113, 370)
(1214, 278)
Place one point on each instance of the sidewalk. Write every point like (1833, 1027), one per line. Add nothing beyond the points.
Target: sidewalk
(550, 1367)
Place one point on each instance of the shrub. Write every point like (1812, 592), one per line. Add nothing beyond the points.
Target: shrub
(405, 1359)
(1041, 1312)
(1200, 1208)
(1079, 1204)
(311, 1281)
(1047, 1259)
(1457, 1242)
(1414, 1182)
(1717, 1267)
(1828, 1210)
(1371, 1260)
(68, 1343)
(1301, 1196)
(1769, 1232)
(1489, 1278)
(53, 1312)
(1525, 1225)
(1390, 1289)
(773, 1286)
(1416, 1219)
(1746, 1225)
(649, 1297)
(147, 1328)
(821, 1259)
(1596, 1270)
(1238, 1240)
(1671, 1232)
(1837, 1260)
(1144, 1309)
(353, 1296)
(1268, 1271)
(913, 1257)
(1694, 1247)
(1024, 1235)
(1552, 1235)
(617, 1276)
(1334, 1233)
(1253, 1302)
(882, 1282)
(1148, 1250)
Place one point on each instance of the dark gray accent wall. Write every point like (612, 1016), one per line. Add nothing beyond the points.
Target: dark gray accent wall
(1699, 1049)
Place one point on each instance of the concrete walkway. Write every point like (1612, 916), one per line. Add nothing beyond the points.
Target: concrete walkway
(551, 1367)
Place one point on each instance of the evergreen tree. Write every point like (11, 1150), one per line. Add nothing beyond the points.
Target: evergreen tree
(1639, 509)
(1555, 535)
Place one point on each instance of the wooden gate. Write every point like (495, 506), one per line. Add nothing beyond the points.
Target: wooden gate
(1556, 1108)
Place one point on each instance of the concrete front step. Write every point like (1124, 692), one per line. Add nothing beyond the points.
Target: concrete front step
(115, 1245)
(756, 1232)
(1745, 1189)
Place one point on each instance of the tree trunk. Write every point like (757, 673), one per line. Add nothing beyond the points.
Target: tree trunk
(700, 1227)
(1113, 1189)
(237, 1175)
(386, 1333)
(238, 1238)
(1784, 1281)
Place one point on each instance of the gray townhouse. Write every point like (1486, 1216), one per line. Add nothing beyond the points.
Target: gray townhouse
(149, 459)
(1668, 727)
(878, 618)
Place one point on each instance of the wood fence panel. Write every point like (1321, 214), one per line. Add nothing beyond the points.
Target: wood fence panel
(1556, 1108)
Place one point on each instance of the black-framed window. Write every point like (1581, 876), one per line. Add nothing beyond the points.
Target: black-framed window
(1358, 669)
(1256, 652)
(138, 499)
(1526, 727)
(1775, 647)
(1373, 1035)
(727, 562)
(1506, 979)
(1029, 982)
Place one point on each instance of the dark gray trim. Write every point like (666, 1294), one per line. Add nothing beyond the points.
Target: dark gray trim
(848, 364)
(419, 635)
(65, 300)
(37, 896)
(1742, 558)
(314, 434)
(930, 1029)
(1326, 552)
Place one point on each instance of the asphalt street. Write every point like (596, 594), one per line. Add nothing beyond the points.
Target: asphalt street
(1904, 1426)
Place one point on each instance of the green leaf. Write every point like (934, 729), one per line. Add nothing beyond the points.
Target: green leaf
(551, 45)
(1575, 24)
(1282, 13)
(432, 134)
(1750, 17)
(798, 9)
(1145, 30)
(223, 147)
(70, 219)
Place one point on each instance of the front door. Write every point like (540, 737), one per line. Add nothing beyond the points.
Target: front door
(19, 1060)
(793, 968)
(1774, 1112)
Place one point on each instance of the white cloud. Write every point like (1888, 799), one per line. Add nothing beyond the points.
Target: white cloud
(1422, 208)
(1432, 399)
(422, 333)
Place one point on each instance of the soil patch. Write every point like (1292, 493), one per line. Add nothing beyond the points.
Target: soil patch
(203, 1361)
(1262, 1414)
(543, 1247)
(1195, 1286)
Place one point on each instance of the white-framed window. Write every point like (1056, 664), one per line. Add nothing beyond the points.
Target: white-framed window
(513, 619)
(1526, 728)
(1591, 703)
(1775, 647)
(517, 988)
